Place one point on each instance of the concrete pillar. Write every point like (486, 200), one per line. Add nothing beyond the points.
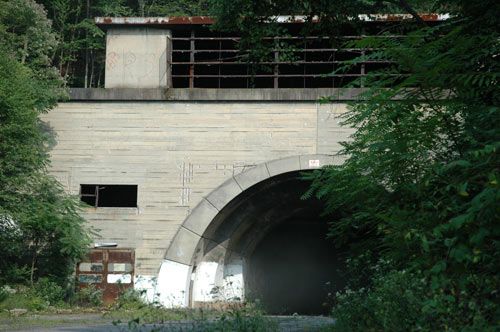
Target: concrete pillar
(138, 58)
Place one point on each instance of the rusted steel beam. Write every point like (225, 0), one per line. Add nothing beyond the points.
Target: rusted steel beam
(326, 75)
(207, 20)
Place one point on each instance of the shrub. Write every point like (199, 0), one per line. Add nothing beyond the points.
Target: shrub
(130, 299)
(399, 300)
(246, 319)
(49, 291)
(35, 303)
(3, 294)
(22, 298)
(89, 296)
(394, 303)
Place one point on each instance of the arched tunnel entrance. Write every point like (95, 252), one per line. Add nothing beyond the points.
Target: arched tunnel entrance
(269, 245)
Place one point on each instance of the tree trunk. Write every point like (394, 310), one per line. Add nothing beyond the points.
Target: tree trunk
(25, 50)
(91, 68)
(33, 263)
(87, 49)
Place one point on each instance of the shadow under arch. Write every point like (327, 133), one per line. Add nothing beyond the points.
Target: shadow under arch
(209, 256)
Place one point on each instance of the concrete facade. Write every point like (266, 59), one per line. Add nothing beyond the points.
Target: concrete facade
(189, 159)
(137, 58)
(196, 155)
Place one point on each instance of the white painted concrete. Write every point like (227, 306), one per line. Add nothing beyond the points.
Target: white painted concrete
(171, 284)
(205, 288)
(234, 285)
(146, 285)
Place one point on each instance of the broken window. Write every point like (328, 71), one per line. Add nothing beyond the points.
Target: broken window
(90, 278)
(109, 195)
(203, 59)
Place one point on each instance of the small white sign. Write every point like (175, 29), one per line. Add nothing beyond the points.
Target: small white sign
(119, 279)
(313, 163)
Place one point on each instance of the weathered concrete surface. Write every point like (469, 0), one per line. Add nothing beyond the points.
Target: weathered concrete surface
(137, 58)
(198, 94)
(178, 153)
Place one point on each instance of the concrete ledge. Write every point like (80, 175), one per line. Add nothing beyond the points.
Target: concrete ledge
(114, 94)
(199, 94)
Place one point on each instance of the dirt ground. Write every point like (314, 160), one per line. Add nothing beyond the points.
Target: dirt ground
(98, 323)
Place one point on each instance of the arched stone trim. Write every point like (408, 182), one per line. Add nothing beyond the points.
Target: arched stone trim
(175, 273)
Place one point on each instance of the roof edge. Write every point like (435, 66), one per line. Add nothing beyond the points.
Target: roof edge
(208, 20)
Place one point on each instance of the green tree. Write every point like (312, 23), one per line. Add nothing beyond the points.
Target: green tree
(420, 185)
(171, 8)
(79, 55)
(42, 233)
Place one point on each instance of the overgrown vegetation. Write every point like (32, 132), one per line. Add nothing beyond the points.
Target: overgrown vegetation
(41, 232)
(130, 309)
(420, 187)
(79, 55)
(419, 190)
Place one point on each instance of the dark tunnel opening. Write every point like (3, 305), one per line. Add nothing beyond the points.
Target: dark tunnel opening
(290, 264)
(295, 267)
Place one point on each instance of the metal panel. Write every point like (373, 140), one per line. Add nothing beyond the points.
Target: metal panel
(111, 270)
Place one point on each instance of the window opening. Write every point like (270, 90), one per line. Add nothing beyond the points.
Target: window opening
(105, 195)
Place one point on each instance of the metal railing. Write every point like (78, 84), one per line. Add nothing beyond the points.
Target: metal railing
(215, 62)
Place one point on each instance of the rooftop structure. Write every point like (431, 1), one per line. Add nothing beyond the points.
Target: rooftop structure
(183, 52)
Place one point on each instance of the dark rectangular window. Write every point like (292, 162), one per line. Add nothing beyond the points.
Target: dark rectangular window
(109, 195)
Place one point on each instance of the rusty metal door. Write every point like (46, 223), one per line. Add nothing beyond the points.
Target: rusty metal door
(111, 270)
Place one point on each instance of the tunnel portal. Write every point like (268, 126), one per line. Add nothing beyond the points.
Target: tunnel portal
(277, 242)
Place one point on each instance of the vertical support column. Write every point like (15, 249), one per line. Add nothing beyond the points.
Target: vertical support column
(305, 64)
(333, 68)
(276, 60)
(168, 54)
(191, 60)
(219, 60)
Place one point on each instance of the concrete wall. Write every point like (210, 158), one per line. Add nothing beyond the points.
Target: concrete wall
(177, 153)
(137, 58)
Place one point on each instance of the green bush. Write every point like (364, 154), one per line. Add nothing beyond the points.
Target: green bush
(241, 319)
(399, 300)
(3, 295)
(247, 319)
(89, 296)
(22, 298)
(35, 303)
(130, 299)
(49, 291)
(394, 303)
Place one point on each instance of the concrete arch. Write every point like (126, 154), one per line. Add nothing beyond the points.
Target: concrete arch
(189, 246)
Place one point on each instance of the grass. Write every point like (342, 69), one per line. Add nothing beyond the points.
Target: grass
(130, 313)
(46, 320)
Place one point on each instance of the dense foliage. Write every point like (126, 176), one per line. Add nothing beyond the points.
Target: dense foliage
(41, 232)
(419, 191)
(79, 55)
(420, 186)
